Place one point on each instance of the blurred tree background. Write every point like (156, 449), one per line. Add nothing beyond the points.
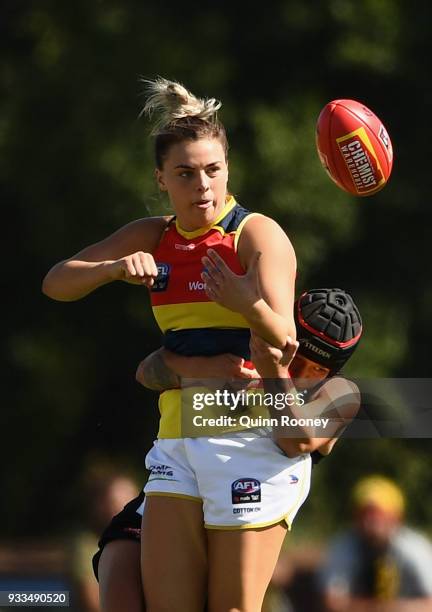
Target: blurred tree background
(76, 164)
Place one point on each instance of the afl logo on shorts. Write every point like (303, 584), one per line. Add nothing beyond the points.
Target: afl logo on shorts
(246, 490)
(161, 282)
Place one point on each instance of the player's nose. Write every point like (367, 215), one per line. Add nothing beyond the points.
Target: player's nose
(203, 182)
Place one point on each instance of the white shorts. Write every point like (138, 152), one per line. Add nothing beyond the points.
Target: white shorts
(242, 479)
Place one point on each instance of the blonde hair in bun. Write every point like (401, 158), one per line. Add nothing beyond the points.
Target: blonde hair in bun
(169, 101)
(177, 116)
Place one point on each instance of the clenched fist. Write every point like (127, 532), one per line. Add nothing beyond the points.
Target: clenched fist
(138, 269)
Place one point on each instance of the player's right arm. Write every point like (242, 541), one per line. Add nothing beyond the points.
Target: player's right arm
(125, 255)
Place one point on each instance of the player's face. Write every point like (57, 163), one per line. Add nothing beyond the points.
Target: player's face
(195, 175)
(307, 372)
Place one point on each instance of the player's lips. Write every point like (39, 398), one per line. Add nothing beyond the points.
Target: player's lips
(203, 204)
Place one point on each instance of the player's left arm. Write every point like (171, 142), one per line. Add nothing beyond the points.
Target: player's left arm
(265, 294)
(154, 373)
(335, 405)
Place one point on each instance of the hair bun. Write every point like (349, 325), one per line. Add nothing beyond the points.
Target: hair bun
(170, 101)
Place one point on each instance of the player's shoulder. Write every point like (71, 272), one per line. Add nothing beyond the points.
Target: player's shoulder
(342, 393)
(266, 235)
(340, 385)
(144, 224)
(139, 235)
(258, 221)
(146, 228)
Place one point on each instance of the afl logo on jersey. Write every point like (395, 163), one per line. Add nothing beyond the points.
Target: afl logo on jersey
(161, 282)
(246, 490)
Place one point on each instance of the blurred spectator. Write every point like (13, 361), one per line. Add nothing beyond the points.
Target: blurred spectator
(105, 494)
(379, 564)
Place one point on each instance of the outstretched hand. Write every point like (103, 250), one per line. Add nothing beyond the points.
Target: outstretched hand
(238, 292)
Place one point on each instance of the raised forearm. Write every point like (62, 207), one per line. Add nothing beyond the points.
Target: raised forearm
(118, 257)
(73, 279)
(270, 325)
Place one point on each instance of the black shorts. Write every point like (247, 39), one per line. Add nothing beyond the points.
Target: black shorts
(126, 525)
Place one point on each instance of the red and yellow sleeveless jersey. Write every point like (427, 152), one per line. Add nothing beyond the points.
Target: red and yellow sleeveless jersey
(192, 323)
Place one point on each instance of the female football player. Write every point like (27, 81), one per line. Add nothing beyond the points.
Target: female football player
(165, 254)
(192, 167)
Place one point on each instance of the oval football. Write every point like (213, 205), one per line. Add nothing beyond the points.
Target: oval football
(354, 147)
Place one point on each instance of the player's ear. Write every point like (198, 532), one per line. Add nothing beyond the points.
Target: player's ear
(160, 180)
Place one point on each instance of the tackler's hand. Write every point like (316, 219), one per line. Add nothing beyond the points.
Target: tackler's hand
(270, 361)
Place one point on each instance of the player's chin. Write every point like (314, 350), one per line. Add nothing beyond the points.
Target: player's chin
(206, 216)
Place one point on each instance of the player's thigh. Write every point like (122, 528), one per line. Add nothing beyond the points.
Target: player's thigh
(241, 564)
(173, 555)
(120, 586)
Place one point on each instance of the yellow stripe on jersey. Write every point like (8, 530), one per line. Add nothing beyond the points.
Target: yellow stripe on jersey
(193, 315)
(169, 409)
(230, 203)
(240, 227)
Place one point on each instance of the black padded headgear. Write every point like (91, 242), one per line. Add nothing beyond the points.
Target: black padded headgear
(329, 327)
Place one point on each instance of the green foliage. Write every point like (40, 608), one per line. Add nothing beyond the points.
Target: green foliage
(369, 34)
